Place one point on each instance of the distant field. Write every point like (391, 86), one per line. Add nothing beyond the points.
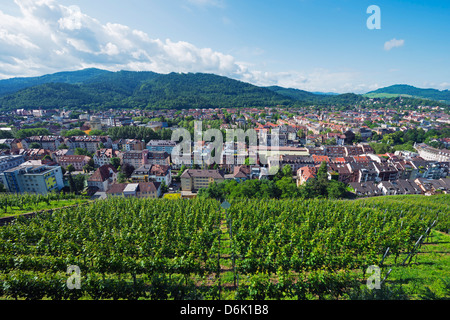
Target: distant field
(386, 95)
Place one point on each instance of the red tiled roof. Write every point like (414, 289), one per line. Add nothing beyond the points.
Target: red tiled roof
(102, 173)
(317, 158)
(307, 172)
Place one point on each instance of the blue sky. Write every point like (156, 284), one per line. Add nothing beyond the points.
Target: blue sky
(306, 44)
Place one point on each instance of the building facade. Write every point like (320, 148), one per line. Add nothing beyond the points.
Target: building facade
(33, 179)
(193, 180)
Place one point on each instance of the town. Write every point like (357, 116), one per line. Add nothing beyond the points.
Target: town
(102, 154)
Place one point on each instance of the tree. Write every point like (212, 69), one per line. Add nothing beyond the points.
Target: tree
(73, 132)
(34, 145)
(25, 133)
(121, 178)
(127, 169)
(164, 187)
(96, 133)
(115, 162)
(317, 187)
(63, 146)
(322, 173)
(72, 185)
(336, 189)
(83, 152)
(79, 181)
(87, 168)
(249, 161)
(300, 134)
(287, 187)
(287, 171)
(330, 142)
(358, 138)
(70, 168)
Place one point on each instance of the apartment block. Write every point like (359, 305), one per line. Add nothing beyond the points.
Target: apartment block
(8, 162)
(193, 180)
(33, 179)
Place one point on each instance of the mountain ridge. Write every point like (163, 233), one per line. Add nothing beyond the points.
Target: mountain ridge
(96, 88)
(410, 91)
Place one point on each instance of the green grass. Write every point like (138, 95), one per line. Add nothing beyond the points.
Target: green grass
(386, 95)
(428, 274)
(425, 277)
(41, 206)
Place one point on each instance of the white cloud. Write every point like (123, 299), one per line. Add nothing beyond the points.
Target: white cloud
(394, 43)
(445, 85)
(48, 37)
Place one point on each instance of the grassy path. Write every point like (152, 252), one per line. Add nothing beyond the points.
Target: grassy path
(14, 211)
(427, 276)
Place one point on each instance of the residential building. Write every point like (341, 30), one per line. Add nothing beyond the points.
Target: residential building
(344, 174)
(296, 162)
(90, 143)
(78, 161)
(306, 173)
(399, 187)
(429, 187)
(136, 158)
(193, 180)
(34, 154)
(366, 189)
(160, 173)
(242, 173)
(11, 161)
(103, 156)
(433, 154)
(134, 144)
(33, 179)
(103, 178)
(159, 157)
(46, 142)
(335, 151)
(386, 171)
(161, 145)
(138, 190)
(361, 172)
(141, 174)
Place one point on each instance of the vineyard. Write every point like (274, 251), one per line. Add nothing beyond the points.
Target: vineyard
(13, 204)
(129, 248)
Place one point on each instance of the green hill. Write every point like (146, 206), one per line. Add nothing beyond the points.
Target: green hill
(13, 85)
(319, 98)
(94, 88)
(145, 90)
(410, 91)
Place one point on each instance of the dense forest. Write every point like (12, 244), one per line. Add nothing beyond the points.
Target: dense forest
(145, 90)
(99, 89)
